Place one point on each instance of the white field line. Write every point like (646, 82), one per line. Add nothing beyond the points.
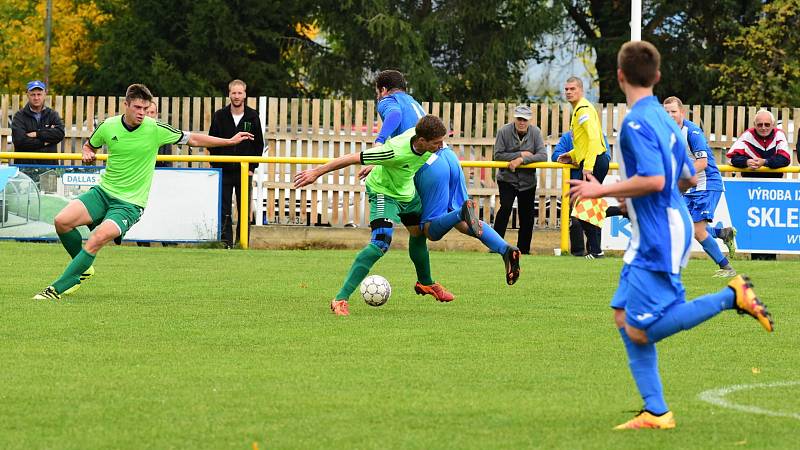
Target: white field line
(717, 397)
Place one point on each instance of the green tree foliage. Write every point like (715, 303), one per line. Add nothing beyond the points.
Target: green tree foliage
(449, 49)
(762, 65)
(690, 35)
(195, 47)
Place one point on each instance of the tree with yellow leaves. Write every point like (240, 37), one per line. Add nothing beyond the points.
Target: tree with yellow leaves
(22, 43)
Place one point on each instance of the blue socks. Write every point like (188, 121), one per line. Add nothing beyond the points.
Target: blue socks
(690, 314)
(643, 362)
(442, 224)
(712, 231)
(492, 240)
(710, 246)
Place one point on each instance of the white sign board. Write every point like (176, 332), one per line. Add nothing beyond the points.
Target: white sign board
(80, 179)
(184, 205)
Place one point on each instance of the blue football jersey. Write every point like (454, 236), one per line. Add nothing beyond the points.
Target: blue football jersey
(710, 178)
(651, 145)
(394, 105)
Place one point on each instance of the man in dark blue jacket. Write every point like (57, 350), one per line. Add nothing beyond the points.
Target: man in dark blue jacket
(36, 128)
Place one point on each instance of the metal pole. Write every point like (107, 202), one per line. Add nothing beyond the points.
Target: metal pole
(244, 208)
(636, 20)
(565, 210)
(48, 27)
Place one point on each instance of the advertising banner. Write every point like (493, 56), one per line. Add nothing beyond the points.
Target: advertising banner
(184, 204)
(765, 213)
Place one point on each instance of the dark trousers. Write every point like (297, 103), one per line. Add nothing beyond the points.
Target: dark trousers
(525, 201)
(229, 186)
(593, 233)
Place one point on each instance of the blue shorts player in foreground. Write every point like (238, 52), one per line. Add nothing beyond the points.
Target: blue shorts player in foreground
(650, 302)
(702, 198)
(440, 183)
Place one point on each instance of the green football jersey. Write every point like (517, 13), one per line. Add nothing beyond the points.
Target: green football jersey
(396, 163)
(132, 155)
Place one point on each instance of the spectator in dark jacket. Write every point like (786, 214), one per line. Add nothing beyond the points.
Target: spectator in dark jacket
(36, 128)
(518, 142)
(226, 123)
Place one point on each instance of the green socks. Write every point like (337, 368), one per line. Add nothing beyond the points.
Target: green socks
(418, 252)
(72, 275)
(72, 241)
(365, 259)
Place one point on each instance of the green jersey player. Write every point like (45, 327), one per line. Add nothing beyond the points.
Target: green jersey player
(117, 203)
(392, 199)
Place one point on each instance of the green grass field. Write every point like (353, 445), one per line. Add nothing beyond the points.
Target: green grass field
(213, 349)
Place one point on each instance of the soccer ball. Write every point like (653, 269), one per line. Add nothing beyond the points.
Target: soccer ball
(376, 290)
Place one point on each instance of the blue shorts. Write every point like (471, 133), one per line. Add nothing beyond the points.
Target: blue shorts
(646, 295)
(702, 204)
(440, 184)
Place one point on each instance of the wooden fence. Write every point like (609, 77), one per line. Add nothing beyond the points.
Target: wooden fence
(329, 128)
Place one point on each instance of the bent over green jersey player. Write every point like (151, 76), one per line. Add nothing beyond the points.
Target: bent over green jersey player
(392, 199)
(117, 203)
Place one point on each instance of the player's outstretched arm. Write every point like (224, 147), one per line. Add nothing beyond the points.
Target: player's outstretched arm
(202, 140)
(635, 186)
(308, 176)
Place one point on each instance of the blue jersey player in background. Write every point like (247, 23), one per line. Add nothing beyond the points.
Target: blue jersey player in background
(650, 302)
(440, 182)
(702, 198)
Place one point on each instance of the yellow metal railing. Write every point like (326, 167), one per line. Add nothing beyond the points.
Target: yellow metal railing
(244, 212)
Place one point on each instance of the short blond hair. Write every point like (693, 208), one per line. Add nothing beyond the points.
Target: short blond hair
(673, 99)
(237, 82)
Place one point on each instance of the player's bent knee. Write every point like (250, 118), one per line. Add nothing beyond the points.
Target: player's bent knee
(637, 336)
(102, 235)
(416, 231)
(62, 224)
(382, 231)
(94, 244)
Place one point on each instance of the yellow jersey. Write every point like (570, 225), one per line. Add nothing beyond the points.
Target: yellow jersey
(587, 135)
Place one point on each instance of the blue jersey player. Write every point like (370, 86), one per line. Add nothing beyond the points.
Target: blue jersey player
(440, 182)
(702, 198)
(650, 302)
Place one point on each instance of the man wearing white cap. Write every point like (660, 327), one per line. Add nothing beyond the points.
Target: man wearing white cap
(36, 128)
(519, 143)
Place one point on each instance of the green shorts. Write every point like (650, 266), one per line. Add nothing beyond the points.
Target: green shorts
(102, 206)
(382, 206)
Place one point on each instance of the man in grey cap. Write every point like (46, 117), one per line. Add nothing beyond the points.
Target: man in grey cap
(36, 128)
(518, 142)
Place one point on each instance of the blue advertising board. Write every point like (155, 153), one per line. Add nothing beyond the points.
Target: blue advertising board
(765, 213)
